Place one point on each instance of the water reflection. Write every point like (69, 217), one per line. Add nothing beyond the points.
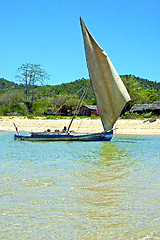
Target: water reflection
(104, 189)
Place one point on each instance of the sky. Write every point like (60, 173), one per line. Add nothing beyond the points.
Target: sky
(48, 32)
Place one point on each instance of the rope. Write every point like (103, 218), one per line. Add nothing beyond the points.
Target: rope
(40, 125)
(84, 92)
(79, 125)
(65, 102)
(77, 92)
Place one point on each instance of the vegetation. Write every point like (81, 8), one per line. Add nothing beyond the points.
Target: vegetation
(141, 90)
(29, 74)
(129, 115)
(29, 99)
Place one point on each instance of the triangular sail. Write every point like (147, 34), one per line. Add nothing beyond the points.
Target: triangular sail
(110, 92)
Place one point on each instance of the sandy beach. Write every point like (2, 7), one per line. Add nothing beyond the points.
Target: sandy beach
(122, 126)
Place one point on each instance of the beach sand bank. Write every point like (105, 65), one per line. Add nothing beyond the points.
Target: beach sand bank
(86, 125)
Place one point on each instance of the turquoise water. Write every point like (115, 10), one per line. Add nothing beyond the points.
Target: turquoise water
(78, 190)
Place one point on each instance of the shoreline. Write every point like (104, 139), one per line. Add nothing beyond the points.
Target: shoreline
(84, 125)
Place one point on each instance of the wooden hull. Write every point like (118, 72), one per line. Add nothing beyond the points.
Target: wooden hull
(57, 136)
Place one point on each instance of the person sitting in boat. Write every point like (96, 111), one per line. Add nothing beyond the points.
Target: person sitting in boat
(64, 129)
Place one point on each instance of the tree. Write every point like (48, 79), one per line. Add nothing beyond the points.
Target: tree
(29, 74)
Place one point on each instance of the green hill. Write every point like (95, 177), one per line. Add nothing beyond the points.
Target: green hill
(78, 86)
(6, 85)
(13, 99)
(135, 86)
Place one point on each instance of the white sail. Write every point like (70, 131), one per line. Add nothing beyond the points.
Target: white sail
(110, 92)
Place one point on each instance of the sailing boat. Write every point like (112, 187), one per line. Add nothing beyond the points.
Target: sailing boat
(110, 93)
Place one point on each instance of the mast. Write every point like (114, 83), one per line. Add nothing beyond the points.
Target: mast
(83, 94)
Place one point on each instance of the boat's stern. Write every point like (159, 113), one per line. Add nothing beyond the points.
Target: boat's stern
(107, 136)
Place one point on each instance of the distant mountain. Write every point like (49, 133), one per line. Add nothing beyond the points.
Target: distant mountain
(129, 80)
(149, 84)
(77, 87)
(6, 85)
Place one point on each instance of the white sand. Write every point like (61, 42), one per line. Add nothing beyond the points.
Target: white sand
(123, 126)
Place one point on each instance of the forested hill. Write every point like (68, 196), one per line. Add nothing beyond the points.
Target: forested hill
(6, 85)
(127, 79)
(141, 90)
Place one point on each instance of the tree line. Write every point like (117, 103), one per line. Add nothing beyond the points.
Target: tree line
(28, 97)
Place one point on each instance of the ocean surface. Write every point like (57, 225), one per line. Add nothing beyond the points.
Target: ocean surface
(80, 190)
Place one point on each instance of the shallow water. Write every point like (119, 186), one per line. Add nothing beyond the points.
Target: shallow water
(78, 190)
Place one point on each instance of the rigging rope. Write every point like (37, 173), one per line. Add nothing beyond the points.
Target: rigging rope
(77, 92)
(40, 126)
(78, 106)
(79, 125)
(68, 101)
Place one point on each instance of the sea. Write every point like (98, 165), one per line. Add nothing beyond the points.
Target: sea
(80, 190)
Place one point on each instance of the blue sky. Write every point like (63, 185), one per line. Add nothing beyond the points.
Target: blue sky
(47, 32)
